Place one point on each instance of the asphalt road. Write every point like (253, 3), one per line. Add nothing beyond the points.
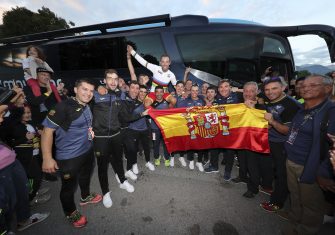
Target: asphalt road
(166, 201)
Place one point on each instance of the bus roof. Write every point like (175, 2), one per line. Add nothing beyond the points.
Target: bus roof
(233, 21)
(125, 25)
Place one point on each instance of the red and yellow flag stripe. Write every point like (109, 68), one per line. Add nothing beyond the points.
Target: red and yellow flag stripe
(234, 126)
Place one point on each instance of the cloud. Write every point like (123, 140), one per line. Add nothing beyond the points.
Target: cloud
(319, 55)
(6, 6)
(205, 2)
(75, 5)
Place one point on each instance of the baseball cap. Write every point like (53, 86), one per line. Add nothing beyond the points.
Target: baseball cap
(41, 69)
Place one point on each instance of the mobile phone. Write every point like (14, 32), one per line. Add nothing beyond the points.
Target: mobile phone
(6, 95)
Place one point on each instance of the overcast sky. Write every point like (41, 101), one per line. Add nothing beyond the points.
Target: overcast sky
(307, 49)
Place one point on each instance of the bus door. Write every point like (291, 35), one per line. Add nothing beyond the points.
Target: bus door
(324, 31)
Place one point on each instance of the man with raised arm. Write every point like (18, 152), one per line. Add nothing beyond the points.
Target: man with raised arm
(162, 76)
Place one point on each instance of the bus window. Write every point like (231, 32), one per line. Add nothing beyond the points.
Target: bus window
(273, 45)
(209, 51)
(6, 59)
(149, 46)
(282, 66)
(93, 54)
(104, 53)
(241, 71)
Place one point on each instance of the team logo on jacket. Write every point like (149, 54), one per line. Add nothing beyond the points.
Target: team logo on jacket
(66, 176)
(52, 112)
(207, 122)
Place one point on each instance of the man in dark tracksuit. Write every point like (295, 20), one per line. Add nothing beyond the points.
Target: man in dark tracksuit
(192, 101)
(136, 131)
(224, 96)
(159, 103)
(107, 110)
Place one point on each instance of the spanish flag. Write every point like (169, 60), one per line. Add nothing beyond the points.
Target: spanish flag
(233, 126)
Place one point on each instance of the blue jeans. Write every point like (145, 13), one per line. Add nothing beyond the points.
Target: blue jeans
(14, 192)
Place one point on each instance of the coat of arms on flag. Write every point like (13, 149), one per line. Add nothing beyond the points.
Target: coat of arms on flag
(206, 122)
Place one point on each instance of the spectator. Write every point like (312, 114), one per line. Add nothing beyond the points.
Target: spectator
(332, 76)
(35, 59)
(25, 140)
(256, 163)
(14, 197)
(297, 87)
(304, 144)
(332, 152)
(280, 112)
(46, 100)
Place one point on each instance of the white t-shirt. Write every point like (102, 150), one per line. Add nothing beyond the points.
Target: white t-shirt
(31, 64)
(160, 78)
(31, 129)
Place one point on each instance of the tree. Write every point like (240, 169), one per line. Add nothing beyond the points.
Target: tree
(21, 21)
(302, 73)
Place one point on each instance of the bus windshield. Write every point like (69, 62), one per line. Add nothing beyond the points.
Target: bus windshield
(221, 53)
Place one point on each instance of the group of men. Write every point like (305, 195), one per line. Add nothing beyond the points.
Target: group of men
(119, 117)
(106, 123)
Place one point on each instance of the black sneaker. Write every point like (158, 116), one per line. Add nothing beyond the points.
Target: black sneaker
(211, 169)
(239, 180)
(249, 194)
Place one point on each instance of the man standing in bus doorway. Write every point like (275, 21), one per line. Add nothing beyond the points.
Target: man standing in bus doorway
(71, 124)
(162, 76)
(280, 112)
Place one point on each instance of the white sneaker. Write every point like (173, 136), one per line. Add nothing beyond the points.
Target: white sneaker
(150, 166)
(33, 219)
(191, 165)
(135, 169)
(172, 161)
(107, 200)
(131, 175)
(127, 186)
(117, 178)
(200, 166)
(182, 161)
